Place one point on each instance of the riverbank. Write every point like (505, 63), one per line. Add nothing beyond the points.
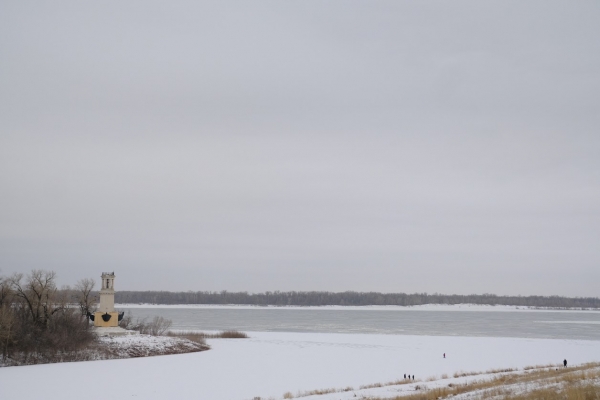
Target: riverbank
(113, 347)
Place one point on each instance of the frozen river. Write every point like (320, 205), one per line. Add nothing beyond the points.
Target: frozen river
(397, 321)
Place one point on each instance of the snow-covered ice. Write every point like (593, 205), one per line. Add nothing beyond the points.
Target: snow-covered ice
(272, 363)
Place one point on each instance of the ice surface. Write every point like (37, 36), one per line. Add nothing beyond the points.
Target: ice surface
(272, 363)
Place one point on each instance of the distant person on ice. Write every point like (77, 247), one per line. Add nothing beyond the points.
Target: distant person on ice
(565, 363)
(444, 355)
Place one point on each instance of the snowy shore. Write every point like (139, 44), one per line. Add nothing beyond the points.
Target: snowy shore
(270, 364)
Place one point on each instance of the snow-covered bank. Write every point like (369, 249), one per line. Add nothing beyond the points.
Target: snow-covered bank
(147, 345)
(423, 307)
(113, 347)
(270, 364)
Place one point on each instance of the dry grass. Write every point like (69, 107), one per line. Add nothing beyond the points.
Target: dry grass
(500, 370)
(576, 383)
(541, 366)
(548, 381)
(192, 336)
(460, 374)
(229, 335)
(391, 383)
(307, 393)
(317, 392)
(197, 336)
(583, 392)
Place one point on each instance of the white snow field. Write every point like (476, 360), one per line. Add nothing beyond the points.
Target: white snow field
(270, 364)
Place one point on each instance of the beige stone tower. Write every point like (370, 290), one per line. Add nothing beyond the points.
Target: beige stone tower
(107, 316)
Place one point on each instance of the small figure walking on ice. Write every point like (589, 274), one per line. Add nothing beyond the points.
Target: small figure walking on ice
(565, 363)
(444, 355)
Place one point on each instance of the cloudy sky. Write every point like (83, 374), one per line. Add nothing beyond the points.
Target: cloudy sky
(425, 146)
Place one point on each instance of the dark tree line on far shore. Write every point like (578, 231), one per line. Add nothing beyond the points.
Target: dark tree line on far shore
(349, 299)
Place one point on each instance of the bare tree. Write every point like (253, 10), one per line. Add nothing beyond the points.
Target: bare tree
(5, 291)
(7, 318)
(8, 323)
(38, 295)
(83, 292)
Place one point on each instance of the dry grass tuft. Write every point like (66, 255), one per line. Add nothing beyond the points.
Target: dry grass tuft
(392, 383)
(193, 335)
(460, 374)
(231, 335)
(500, 370)
(316, 392)
(529, 367)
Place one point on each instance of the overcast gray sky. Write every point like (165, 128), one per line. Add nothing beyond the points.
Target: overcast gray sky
(425, 146)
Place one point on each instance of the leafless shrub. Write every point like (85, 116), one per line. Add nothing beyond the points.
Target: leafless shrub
(159, 326)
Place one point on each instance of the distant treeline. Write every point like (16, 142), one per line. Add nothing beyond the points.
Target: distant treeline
(349, 299)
